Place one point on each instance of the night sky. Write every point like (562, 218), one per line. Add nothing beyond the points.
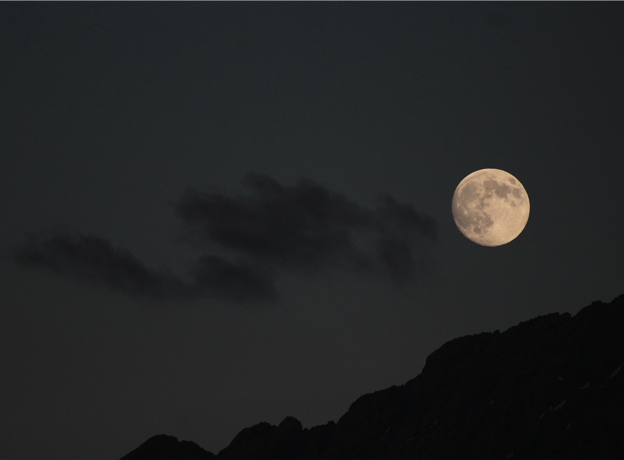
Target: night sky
(217, 214)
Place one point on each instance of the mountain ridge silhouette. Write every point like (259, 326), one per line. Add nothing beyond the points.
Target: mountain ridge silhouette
(549, 387)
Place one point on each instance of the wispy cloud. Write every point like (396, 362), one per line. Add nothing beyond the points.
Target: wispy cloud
(95, 259)
(305, 228)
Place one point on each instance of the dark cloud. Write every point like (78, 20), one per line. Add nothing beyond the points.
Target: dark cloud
(304, 228)
(93, 259)
(402, 220)
(309, 227)
(96, 260)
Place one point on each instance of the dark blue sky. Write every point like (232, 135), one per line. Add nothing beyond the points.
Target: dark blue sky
(217, 214)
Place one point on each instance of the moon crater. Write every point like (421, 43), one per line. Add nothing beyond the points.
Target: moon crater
(490, 207)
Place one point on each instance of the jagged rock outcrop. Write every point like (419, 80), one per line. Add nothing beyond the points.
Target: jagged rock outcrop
(547, 388)
(163, 447)
(286, 441)
(539, 390)
(550, 387)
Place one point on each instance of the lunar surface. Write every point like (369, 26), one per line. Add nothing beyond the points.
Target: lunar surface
(490, 207)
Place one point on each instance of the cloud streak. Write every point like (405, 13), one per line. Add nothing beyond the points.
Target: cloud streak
(307, 226)
(304, 228)
(95, 259)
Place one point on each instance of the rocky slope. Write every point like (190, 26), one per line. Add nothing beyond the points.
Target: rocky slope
(550, 387)
(168, 447)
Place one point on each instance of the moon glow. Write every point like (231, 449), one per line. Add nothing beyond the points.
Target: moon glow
(490, 207)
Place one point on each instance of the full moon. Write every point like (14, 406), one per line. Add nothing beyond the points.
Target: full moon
(490, 207)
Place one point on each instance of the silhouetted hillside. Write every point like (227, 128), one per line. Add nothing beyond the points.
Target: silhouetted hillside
(167, 447)
(550, 387)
